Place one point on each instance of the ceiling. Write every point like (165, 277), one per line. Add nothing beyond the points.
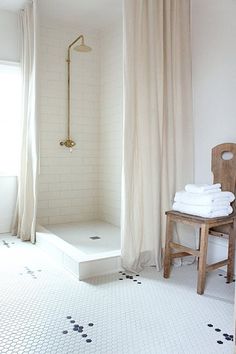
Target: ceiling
(93, 13)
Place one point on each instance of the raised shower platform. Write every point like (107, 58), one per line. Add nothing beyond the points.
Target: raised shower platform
(85, 249)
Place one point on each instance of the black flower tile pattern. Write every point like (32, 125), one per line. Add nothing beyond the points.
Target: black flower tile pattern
(7, 243)
(123, 276)
(78, 328)
(225, 336)
(32, 273)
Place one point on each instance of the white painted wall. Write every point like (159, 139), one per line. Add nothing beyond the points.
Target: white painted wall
(9, 50)
(8, 189)
(9, 36)
(110, 136)
(214, 79)
(214, 86)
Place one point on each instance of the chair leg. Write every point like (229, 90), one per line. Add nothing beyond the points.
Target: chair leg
(167, 255)
(231, 253)
(202, 259)
(199, 242)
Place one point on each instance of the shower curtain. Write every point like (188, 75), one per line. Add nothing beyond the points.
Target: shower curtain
(25, 215)
(158, 133)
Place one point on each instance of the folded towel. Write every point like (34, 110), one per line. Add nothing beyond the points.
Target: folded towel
(204, 211)
(202, 188)
(217, 198)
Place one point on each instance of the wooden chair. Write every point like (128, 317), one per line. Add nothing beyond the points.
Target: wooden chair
(224, 172)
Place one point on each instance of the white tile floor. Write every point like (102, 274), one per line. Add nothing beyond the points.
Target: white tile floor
(158, 316)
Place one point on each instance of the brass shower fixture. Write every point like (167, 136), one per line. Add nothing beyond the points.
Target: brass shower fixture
(69, 143)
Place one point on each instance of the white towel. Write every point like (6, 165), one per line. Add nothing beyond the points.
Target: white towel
(203, 188)
(204, 211)
(217, 198)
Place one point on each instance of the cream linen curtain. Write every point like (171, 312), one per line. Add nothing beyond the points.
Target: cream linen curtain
(25, 218)
(158, 142)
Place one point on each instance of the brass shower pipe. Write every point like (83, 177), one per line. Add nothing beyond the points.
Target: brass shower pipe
(69, 143)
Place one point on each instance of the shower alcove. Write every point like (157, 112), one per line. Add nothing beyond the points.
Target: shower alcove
(79, 193)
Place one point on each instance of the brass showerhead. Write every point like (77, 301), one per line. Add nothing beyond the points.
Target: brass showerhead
(82, 47)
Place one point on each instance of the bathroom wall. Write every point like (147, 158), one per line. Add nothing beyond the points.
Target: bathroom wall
(214, 88)
(110, 137)
(68, 183)
(9, 36)
(9, 51)
(214, 79)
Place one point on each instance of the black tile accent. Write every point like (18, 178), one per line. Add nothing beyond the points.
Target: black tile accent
(30, 272)
(78, 328)
(128, 276)
(226, 336)
(88, 340)
(5, 243)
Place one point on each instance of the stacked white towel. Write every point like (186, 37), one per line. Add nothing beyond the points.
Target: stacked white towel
(204, 200)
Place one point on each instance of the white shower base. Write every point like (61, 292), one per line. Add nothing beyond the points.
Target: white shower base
(71, 245)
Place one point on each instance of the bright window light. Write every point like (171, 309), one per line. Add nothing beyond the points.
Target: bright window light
(10, 117)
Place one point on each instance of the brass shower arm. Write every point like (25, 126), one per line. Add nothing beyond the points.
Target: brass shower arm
(69, 47)
(76, 40)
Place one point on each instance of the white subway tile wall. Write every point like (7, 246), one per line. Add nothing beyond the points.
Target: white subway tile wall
(110, 153)
(85, 184)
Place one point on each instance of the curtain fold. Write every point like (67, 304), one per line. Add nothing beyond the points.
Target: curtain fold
(158, 133)
(25, 214)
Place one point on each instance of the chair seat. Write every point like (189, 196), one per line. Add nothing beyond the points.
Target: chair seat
(190, 219)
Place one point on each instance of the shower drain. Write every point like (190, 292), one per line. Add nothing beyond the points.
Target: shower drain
(95, 237)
